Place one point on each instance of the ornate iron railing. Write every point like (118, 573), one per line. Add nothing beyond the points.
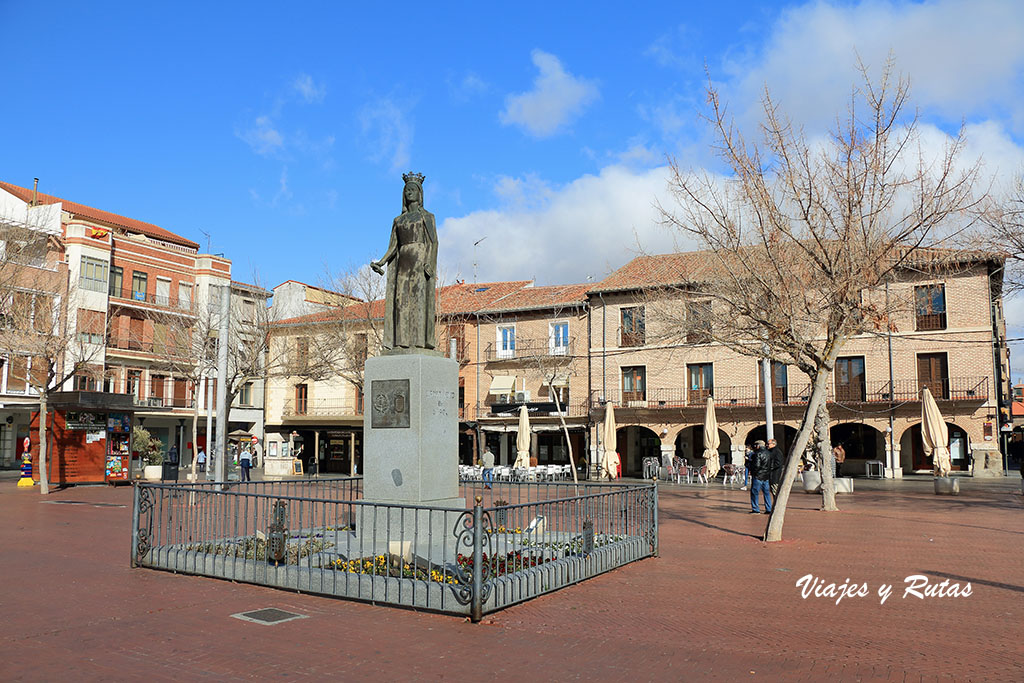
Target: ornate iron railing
(516, 541)
(324, 407)
(529, 348)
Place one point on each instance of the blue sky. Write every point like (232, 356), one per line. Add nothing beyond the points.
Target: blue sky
(541, 129)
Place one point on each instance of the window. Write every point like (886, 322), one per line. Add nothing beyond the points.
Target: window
(184, 296)
(930, 303)
(116, 281)
(456, 334)
(94, 274)
(850, 379)
(90, 326)
(17, 374)
(933, 372)
(634, 384)
(163, 291)
(301, 399)
(245, 394)
(156, 389)
(180, 393)
(698, 316)
(132, 382)
(633, 327)
(140, 281)
(85, 383)
(506, 341)
(160, 338)
(40, 372)
(301, 354)
(558, 338)
(42, 314)
(780, 382)
(701, 382)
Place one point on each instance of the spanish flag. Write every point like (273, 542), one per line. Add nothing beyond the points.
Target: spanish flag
(98, 233)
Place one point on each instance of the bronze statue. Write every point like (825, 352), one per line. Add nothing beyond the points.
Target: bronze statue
(411, 258)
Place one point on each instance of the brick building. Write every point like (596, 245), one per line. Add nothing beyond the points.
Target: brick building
(134, 293)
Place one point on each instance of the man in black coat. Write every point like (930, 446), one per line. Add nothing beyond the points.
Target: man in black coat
(777, 462)
(760, 471)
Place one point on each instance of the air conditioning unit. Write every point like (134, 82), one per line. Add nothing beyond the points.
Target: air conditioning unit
(155, 402)
(522, 397)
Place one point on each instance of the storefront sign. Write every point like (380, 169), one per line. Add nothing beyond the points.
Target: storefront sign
(89, 421)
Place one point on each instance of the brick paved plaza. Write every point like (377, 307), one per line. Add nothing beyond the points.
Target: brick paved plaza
(717, 604)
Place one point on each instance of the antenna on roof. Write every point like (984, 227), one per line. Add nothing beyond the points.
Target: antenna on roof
(474, 256)
(207, 239)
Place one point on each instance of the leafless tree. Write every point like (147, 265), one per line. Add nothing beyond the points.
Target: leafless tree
(800, 236)
(1006, 231)
(34, 323)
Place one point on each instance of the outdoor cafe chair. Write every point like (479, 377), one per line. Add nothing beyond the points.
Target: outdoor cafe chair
(701, 473)
(729, 477)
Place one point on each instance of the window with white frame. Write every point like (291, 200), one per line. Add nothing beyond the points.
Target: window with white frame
(94, 274)
(558, 338)
(506, 341)
(163, 291)
(184, 296)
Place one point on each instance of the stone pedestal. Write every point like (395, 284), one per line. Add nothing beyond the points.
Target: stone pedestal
(410, 445)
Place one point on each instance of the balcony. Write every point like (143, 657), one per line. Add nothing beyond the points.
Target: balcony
(323, 407)
(528, 348)
(162, 402)
(138, 297)
(906, 391)
(156, 348)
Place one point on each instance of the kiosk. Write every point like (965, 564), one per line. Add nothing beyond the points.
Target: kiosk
(88, 438)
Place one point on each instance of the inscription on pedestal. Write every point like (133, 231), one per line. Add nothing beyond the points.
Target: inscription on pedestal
(389, 403)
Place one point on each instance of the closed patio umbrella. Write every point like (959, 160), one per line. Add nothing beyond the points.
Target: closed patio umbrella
(711, 439)
(523, 439)
(609, 458)
(934, 434)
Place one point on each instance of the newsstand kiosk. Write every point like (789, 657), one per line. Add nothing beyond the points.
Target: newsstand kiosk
(89, 438)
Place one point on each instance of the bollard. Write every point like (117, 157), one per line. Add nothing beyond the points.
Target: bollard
(476, 608)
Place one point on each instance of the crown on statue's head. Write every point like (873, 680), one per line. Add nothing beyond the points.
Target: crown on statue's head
(417, 178)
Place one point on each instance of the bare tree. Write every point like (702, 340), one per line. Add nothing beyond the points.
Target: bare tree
(800, 234)
(1007, 233)
(45, 349)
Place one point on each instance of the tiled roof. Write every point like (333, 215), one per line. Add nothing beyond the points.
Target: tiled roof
(539, 298)
(680, 268)
(454, 299)
(100, 216)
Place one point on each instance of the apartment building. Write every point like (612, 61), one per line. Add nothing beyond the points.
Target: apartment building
(33, 284)
(135, 293)
(950, 338)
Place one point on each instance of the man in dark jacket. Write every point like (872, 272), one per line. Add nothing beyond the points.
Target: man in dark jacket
(760, 471)
(777, 460)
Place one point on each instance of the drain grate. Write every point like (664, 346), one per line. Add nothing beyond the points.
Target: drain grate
(268, 616)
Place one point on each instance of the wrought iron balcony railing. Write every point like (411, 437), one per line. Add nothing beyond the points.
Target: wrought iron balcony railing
(901, 391)
(323, 407)
(163, 348)
(138, 296)
(528, 348)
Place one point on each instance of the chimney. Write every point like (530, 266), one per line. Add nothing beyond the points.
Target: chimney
(35, 191)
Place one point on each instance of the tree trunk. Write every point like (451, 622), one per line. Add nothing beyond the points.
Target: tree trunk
(824, 459)
(568, 441)
(44, 476)
(778, 517)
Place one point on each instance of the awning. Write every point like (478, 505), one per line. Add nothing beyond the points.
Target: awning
(503, 384)
(558, 381)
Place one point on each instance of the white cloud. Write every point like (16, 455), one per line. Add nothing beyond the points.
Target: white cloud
(557, 98)
(963, 57)
(388, 132)
(262, 137)
(470, 85)
(561, 234)
(310, 91)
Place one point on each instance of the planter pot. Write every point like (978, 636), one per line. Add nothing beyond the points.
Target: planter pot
(812, 481)
(152, 472)
(844, 485)
(947, 486)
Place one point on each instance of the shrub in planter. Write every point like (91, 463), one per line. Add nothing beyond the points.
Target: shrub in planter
(149, 449)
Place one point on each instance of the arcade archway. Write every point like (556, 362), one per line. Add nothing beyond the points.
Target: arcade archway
(634, 443)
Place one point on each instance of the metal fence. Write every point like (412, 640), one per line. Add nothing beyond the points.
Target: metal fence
(516, 541)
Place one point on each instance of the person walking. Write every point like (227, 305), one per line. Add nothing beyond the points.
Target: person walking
(245, 462)
(839, 453)
(777, 459)
(760, 471)
(488, 463)
(201, 459)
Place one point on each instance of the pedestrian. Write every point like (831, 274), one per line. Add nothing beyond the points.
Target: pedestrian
(777, 459)
(201, 459)
(245, 462)
(488, 463)
(172, 455)
(748, 457)
(760, 472)
(839, 453)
